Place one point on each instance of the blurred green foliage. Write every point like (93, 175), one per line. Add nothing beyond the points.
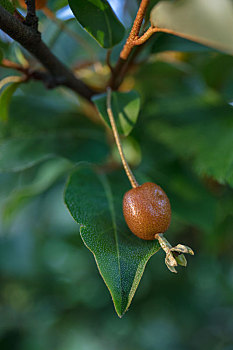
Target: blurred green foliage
(51, 295)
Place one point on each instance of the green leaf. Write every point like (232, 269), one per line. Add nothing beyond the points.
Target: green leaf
(206, 141)
(46, 175)
(192, 203)
(23, 152)
(5, 99)
(167, 42)
(218, 78)
(99, 20)
(46, 127)
(1, 55)
(7, 5)
(95, 202)
(210, 23)
(125, 107)
(58, 4)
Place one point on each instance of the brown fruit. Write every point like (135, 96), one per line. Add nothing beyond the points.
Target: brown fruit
(39, 4)
(147, 210)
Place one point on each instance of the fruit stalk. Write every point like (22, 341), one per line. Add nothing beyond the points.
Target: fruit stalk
(146, 208)
(118, 141)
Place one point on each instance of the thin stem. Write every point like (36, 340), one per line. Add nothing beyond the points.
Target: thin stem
(139, 18)
(118, 142)
(134, 33)
(11, 79)
(142, 39)
(108, 60)
(31, 41)
(132, 41)
(29, 74)
(12, 65)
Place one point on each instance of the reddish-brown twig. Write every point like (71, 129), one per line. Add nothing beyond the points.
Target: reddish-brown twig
(133, 40)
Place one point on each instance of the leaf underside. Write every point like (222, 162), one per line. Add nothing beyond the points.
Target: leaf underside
(167, 42)
(95, 202)
(197, 20)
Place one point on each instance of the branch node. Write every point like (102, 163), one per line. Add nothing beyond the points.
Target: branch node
(30, 39)
(133, 40)
(31, 18)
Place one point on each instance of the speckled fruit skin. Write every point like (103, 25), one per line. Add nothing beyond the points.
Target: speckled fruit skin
(39, 4)
(147, 210)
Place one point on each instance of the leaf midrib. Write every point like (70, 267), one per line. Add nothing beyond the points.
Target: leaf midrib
(109, 196)
(109, 28)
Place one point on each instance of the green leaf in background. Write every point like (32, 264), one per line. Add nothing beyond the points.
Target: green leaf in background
(47, 174)
(7, 5)
(57, 5)
(208, 22)
(125, 107)
(95, 202)
(5, 99)
(48, 127)
(167, 42)
(1, 55)
(98, 18)
(207, 141)
(19, 153)
(191, 201)
(218, 78)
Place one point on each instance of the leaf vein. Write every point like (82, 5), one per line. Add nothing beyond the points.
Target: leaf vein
(109, 197)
